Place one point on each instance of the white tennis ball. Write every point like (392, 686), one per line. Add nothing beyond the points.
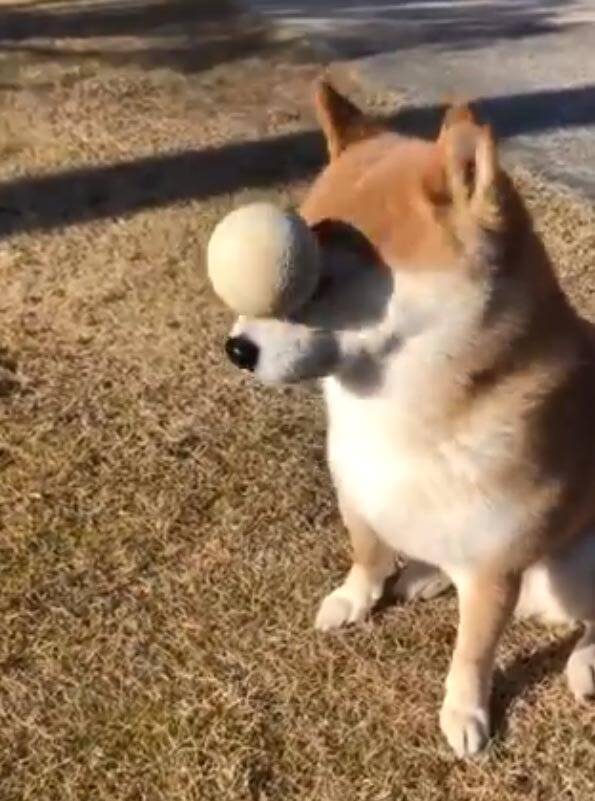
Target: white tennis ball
(262, 261)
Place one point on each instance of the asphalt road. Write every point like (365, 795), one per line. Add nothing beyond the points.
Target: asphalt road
(532, 63)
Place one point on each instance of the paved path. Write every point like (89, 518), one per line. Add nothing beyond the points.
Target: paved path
(531, 61)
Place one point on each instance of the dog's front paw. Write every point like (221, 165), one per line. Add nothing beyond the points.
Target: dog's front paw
(467, 729)
(580, 673)
(346, 604)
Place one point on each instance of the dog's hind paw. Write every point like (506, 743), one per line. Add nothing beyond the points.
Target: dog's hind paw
(580, 672)
(418, 580)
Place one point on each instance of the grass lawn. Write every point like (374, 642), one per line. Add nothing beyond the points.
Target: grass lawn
(167, 528)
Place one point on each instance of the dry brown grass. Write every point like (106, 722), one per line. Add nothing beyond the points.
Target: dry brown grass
(167, 528)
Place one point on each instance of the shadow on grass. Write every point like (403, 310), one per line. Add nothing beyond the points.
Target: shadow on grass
(54, 201)
(192, 34)
(527, 671)
(185, 35)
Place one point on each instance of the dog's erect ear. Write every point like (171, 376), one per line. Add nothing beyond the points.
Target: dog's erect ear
(456, 113)
(341, 121)
(470, 163)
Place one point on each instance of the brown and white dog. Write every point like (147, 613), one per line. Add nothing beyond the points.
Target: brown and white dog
(460, 389)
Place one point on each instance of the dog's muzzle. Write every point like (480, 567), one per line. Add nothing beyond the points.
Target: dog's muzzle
(242, 352)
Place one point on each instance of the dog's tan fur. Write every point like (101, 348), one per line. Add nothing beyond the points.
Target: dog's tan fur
(460, 389)
(505, 417)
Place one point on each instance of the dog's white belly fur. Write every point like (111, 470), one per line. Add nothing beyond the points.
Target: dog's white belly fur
(435, 504)
(428, 502)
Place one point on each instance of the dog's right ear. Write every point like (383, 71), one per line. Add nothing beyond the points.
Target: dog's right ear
(342, 122)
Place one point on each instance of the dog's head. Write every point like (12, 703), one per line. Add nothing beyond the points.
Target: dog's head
(411, 232)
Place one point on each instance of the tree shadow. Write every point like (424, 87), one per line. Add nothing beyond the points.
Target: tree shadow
(113, 18)
(186, 35)
(192, 35)
(95, 192)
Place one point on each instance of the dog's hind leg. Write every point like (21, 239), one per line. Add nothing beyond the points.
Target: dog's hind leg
(419, 580)
(373, 563)
(574, 579)
(561, 588)
(580, 669)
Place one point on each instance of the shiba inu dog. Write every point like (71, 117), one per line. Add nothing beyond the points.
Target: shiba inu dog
(460, 389)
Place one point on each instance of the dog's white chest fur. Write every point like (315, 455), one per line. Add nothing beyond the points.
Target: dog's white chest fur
(429, 500)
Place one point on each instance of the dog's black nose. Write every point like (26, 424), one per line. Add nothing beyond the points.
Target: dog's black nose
(242, 352)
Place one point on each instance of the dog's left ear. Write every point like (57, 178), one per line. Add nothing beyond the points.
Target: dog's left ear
(469, 161)
(342, 122)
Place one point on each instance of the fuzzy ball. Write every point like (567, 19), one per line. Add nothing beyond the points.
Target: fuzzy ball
(262, 261)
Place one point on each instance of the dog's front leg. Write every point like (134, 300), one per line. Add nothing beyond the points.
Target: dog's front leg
(486, 601)
(373, 562)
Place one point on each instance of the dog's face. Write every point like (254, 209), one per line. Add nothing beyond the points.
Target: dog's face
(409, 231)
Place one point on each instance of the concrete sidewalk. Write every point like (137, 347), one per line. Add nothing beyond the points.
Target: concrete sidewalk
(532, 63)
